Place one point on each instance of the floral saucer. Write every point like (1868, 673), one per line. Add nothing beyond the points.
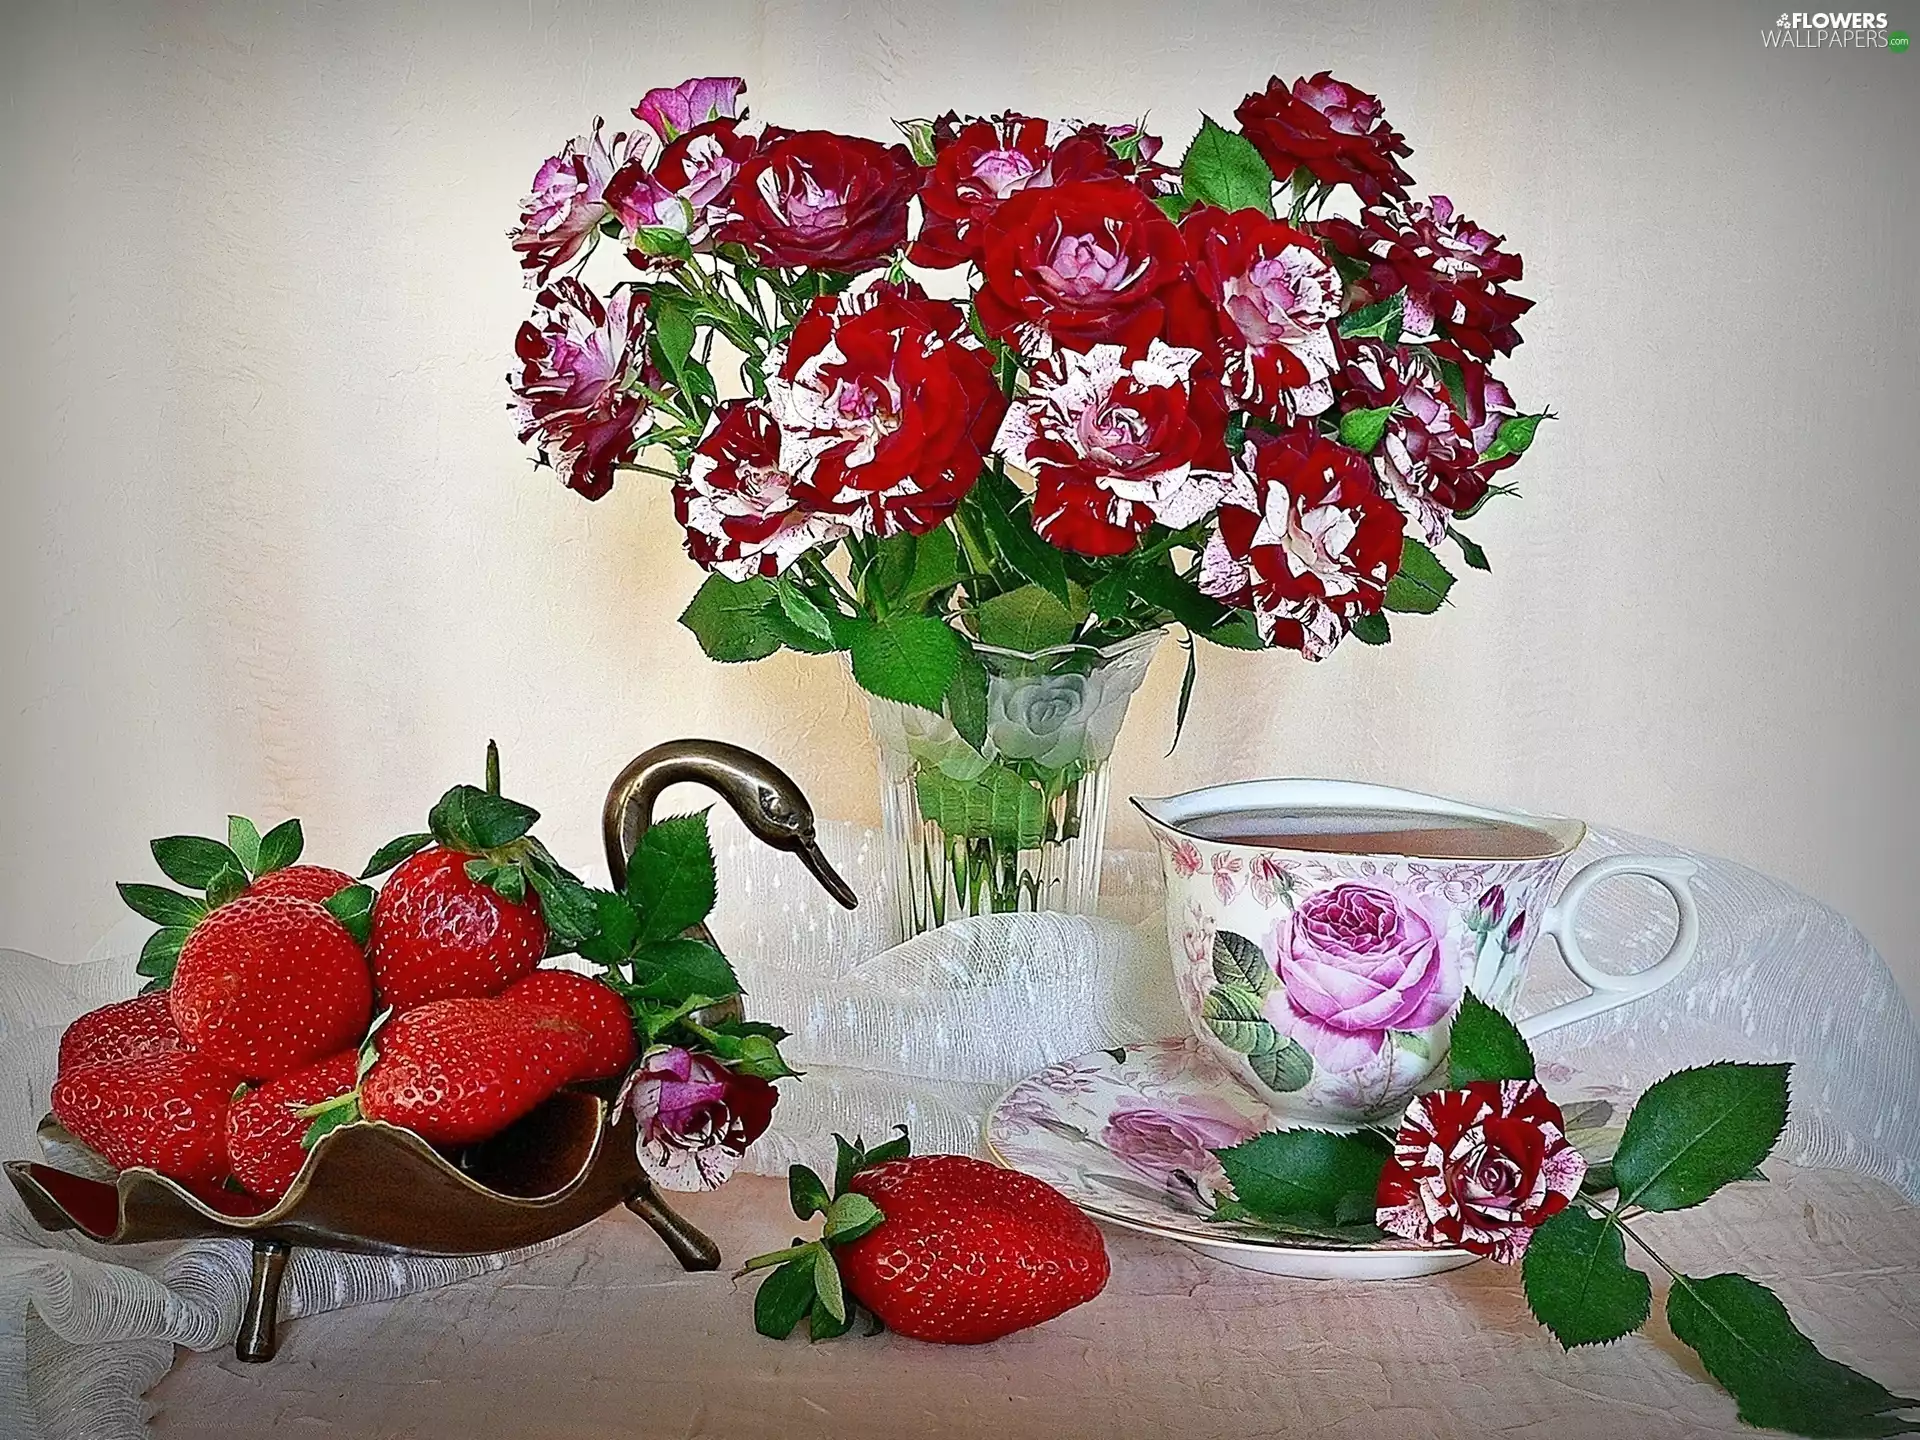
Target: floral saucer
(1128, 1136)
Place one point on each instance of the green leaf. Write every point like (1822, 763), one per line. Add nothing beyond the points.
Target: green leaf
(905, 657)
(1310, 1175)
(509, 882)
(919, 135)
(1192, 647)
(998, 804)
(1222, 168)
(733, 619)
(822, 1326)
(671, 317)
(898, 1148)
(1361, 429)
(616, 929)
(670, 878)
(1236, 632)
(1173, 206)
(161, 905)
(1383, 320)
(469, 819)
(1475, 557)
(1025, 619)
(228, 882)
(565, 904)
(1579, 1284)
(1421, 586)
(967, 698)
(192, 861)
(280, 847)
(807, 1192)
(784, 1296)
(1514, 436)
(1240, 961)
(802, 613)
(749, 1047)
(1697, 1130)
(1485, 1045)
(1371, 628)
(673, 970)
(244, 840)
(162, 952)
(353, 908)
(1159, 585)
(847, 1160)
(1008, 517)
(1285, 1067)
(826, 1284)
(936, 566)
(850, 1217)
(1778, 1378)
(393, 852)
(329, 1116)
(1235, 1004)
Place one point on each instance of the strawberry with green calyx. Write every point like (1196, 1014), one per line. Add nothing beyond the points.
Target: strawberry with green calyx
(943, 1248)
(673, 980)
(248, 863)
(473, 903)
(266, 1128)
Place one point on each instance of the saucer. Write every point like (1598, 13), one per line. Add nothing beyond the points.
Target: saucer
(1125, 1134)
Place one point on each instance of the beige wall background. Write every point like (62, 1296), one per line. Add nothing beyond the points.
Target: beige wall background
(269, 543)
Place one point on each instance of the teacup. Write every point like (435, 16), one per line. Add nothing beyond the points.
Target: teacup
(1324, 931)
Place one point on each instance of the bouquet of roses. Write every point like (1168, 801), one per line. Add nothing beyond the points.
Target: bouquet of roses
(1018, 386)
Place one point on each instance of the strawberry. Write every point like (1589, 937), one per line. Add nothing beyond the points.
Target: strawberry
(939, 1247)
(268, 984)
(589, 1005)
(120, 1031)
(457, 1071)
(265, 1129)
(303, 882)
(473, 904)
(165, 1110)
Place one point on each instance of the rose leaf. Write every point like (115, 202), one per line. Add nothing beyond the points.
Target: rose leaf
(1309, 1175)
(1485, 1046)
(1697, 1130)
(1579, 1284)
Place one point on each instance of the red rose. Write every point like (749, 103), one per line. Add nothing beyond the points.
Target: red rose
(1426, 461)
(743, 514)
(1116, 443)
(1338, 133)
(579, 360)
(1083, 263)
(1274, 299)
(1480, 1167)
(681, 190)
(886, 404)
(817, 199)
(1306, 541)
(1454, 272)
(979, 164)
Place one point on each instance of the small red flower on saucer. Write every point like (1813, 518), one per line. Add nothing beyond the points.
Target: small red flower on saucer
(1479, 1168)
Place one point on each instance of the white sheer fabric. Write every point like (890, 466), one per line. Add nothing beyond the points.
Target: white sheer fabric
(928, 1034)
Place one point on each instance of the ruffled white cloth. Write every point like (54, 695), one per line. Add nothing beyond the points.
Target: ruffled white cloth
(928, 1034)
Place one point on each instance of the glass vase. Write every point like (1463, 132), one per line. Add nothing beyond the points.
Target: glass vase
(1018, 822)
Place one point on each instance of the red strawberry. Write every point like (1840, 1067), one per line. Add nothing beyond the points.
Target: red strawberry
(119, 1031)
(265, 1128)
(267, 984)
(588, 1004)
(968, 1252)
(456, 1071)
(438, 935)
(302, 882)
(166, 1110)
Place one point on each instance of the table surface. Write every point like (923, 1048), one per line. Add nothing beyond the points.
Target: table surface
(604, 1337)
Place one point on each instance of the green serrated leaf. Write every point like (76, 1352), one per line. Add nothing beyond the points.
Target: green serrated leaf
(1232, 1002)
(898, 1148)
(1361, 429)
(1778, 1378)
(1311, 1175)
(662, 241)
(193, 861)
(732, 619)
(1420, 587)
(966, 704)
(1371, 628)
(997, 503)
(1173, 206)
(228, 882)
(749, 1048)
(1222, 168)
(616, 928)
(1475, 557)
(566, 905)
(850, 1217)
(1383, 320)
(1240, 961)
(807, 1192)
(848, 1157)
(784, 1297)
(905, 657)
(826, 1285)
(802, 613)
(393, 852)
(1236, 632)
(1579, 1284)
(161, 905)
(1025, 619)
(244, 840)
(671, 318)
(670, 970)
(162, 952)
(468, 818)
(280, 847)
(671, 878)
(353, 908)
(1485, 1045)
(1697, 1130)
(936, 566)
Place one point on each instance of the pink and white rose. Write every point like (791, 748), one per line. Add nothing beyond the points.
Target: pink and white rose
(575, 392)
(568, 201)
(674, 110)
(694, 1117)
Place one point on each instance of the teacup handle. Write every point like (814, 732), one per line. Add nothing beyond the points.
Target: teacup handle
(1611, 990)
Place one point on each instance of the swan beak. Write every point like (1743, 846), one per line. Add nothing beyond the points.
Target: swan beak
(815, 860)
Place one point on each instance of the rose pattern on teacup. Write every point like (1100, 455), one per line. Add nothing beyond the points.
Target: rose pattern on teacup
(1160, 1141)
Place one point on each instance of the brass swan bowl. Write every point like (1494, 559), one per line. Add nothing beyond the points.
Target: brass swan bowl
(372, 1188)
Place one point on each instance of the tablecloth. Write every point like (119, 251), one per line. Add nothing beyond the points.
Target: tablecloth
(928, 1033)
